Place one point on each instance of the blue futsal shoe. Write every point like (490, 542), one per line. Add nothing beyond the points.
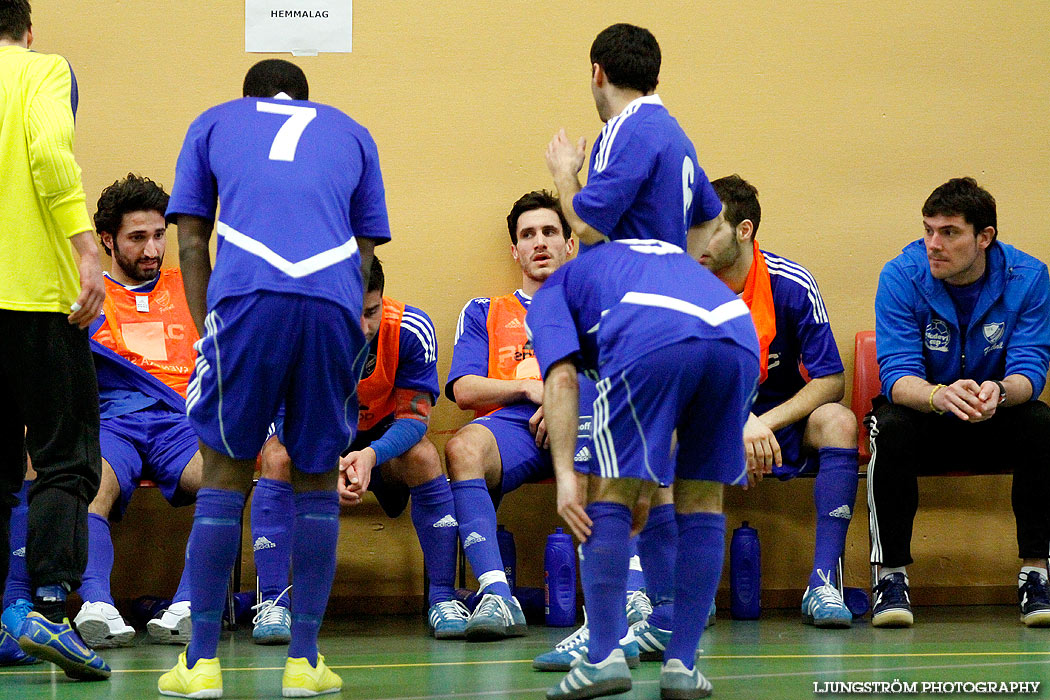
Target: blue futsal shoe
(651, 641)
(586, 680)
(10, 622)
(448, 619)
(58, 643)
(566, 652)
(11, 654)
(892, 606)
(496, 617)
(680, 683)
(823, 606)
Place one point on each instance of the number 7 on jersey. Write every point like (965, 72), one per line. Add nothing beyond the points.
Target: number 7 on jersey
(287, 138)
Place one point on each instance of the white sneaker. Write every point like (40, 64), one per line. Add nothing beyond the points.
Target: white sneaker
(102, 627)
(173, 626)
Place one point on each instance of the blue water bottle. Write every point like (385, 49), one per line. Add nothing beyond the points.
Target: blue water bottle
(745, 574)
(509, 555)
(559, 580)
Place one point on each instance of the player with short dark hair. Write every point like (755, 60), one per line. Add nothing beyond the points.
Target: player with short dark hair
(673, 349)
(962, 332)
(797, 425)
(495, 374)
(644, 180)
(391, 456)
(303, 206)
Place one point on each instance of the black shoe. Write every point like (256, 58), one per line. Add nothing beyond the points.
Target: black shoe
(1035, 601)
(892, 605)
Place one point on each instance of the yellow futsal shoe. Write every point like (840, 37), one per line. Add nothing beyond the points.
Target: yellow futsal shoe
(301, 680)
(204, 680)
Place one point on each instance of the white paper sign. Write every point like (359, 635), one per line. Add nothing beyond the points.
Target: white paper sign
(302, 27)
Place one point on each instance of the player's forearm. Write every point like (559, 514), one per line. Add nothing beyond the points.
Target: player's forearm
(913, 392)
(1018, 389)
(568, 185)
(473, 392)
(561, 402)
(809, 398)
(195, 262)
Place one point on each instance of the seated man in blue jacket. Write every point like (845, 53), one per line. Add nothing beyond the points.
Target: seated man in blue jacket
(963, 339)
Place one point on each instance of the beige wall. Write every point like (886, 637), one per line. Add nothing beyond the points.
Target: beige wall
(845, 115)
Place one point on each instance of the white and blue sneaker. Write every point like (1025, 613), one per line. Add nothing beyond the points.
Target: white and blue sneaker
(651, 640)
(823, 606)
(680, 683)
(448, 619)
(586, 680)
(568, 651)
(892, 607)
(496, 617)
(639, 607)
(273, 623)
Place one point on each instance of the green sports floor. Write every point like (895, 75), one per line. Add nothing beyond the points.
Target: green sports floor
(777, 657)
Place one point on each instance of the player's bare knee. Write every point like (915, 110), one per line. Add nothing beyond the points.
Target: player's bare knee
(274, 462)
(419, 465)
(190, 481)
(464, 456)
(832, 425)
(108, 492)
(694, 496)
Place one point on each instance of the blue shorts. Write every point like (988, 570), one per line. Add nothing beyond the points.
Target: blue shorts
(702, 388)
(154, 443)
(265, 349)
(524, 462)
(795, 461)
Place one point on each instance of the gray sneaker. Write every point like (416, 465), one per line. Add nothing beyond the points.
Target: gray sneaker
(496, 617)
(680, 683)
(586, 680)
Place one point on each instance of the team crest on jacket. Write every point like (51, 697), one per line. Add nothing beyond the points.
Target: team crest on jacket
(993, 333)
(937, 336)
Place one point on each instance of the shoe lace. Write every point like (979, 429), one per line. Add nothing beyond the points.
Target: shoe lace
(640, 601)
(578, 638)
(493, 604)
(268, 610)
(827, 592)
(453, 609)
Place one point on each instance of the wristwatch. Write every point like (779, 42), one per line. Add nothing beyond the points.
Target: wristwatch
(1002, 390)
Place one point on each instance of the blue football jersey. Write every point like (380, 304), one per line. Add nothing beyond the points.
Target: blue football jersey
(644, 180)
(470, 351)
(607, 309)
(803, 334)
(417, 353)
(296, 181)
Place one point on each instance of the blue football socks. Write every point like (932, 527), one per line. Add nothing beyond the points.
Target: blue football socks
(477, 529)
(834, 493)
(273, 515)
(17, 586)
(701, 547)
(94, 587)
(604, 560)
(314, 539)
(210, 555)
(657, 547)
(434, 517)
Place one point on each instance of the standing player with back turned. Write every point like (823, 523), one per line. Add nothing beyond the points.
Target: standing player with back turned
(303, 206)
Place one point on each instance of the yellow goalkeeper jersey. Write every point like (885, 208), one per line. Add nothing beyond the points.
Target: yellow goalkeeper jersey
(41, 192)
